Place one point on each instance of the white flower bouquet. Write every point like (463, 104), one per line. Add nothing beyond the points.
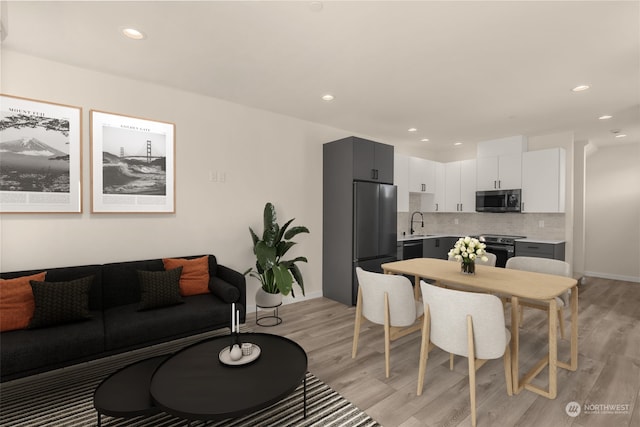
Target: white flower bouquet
(467, 249)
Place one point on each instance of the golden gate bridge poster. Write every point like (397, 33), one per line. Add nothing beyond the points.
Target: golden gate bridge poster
(132, 164)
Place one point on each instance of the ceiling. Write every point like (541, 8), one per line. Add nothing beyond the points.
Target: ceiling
(456, 71)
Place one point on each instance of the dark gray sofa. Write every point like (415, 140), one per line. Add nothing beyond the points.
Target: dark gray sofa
(116, 324)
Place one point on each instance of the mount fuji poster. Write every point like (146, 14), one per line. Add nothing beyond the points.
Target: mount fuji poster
(40, 156)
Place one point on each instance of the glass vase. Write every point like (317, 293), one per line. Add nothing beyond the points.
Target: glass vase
(468, 267)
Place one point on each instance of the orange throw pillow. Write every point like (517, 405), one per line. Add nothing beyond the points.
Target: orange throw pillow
(16, 302)
(194, 279)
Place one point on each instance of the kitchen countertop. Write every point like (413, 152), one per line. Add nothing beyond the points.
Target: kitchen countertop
(423, 236)
(534, 240)
(408, 237)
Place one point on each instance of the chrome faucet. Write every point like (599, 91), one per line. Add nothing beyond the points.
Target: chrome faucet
(411, 230)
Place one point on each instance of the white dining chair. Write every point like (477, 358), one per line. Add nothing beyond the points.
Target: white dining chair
(387, 300)
(467, 324)
(547, 266)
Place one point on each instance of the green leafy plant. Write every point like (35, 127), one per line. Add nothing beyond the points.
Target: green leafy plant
(276, 274)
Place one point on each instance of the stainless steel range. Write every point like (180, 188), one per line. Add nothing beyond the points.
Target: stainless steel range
(502, 246)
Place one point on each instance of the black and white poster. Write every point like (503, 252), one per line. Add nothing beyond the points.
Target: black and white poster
(40, 156)
(132, 164)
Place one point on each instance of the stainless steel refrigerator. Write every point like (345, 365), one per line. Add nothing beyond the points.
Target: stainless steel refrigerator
(374, 227)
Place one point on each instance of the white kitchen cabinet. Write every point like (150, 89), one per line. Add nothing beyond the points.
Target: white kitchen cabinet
(438, 199)
(422, 175)
(460, 186)
(543, 180)
(499, 172)
(401, 180)
(434, 202)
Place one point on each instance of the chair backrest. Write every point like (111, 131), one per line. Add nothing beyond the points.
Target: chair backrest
(539, 265)
(448, 310)
(402, 304)
(491, 260)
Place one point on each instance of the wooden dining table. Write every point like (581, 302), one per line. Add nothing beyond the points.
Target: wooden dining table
(513, 284)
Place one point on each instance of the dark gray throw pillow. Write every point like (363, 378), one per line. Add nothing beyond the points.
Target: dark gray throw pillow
(60, 302)
(159, 288)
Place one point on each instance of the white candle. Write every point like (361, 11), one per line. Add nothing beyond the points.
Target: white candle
(233, 316)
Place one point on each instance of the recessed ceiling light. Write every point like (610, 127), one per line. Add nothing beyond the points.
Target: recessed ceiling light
(605, 117)
(425, 140)
(620, 135)
(457, 143)
(327, 97)
(134, 34)
(412, 130)
(580, 88)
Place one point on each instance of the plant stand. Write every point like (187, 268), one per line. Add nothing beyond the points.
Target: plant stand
(268, 320)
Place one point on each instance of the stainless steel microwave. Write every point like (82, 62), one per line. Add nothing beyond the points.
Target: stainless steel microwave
(499, 201)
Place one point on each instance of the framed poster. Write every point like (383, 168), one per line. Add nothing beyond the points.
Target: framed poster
(132, 164)
(40, 156)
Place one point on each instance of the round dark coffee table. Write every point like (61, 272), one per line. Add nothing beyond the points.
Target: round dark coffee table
(195, 385)
(125, 393)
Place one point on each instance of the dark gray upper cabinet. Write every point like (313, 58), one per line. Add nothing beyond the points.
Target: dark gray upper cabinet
(372, 161)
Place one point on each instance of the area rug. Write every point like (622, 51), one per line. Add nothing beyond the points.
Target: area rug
(65, 398)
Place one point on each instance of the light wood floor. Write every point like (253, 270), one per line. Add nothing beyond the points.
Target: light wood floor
(608, 366)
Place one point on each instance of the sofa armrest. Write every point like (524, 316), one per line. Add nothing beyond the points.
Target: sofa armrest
(224, 290)
(237, 280)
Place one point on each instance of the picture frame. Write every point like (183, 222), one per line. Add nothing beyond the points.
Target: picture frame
(41, 156)
(132, 164)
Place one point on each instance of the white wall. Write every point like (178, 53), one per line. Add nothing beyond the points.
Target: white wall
(266, 157)
(612, 201)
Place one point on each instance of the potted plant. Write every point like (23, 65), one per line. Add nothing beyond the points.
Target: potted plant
(276, 274)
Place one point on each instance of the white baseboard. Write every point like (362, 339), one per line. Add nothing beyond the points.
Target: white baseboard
(251, 308)
(611, 276)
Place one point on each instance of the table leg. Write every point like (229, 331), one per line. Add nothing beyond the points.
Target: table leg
(99, 419)
(304, 387)
(416, 288)
(515, 344)
(553, 349)
(574, 328)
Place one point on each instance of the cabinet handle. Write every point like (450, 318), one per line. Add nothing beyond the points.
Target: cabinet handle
(374, 173)
(495, 184)
(460, 207)
(499, 184)
(436, 207)
(424, 187)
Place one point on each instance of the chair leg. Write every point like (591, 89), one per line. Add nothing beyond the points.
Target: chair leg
(356, 328)
(387, 334)
(451, 356)
(472, 370)
(424, 351)
(507, 370)
(561, 321)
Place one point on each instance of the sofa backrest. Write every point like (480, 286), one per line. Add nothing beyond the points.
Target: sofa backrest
(64, 274)
(120, 279)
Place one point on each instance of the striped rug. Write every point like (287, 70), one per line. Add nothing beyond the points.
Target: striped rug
(64, 398)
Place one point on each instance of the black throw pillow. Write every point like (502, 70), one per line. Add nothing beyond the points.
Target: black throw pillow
(60, 302)
(159, 288)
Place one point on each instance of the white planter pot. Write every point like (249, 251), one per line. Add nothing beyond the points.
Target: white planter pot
(265, 299)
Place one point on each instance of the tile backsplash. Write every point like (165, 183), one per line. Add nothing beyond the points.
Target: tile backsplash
(522, 224)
